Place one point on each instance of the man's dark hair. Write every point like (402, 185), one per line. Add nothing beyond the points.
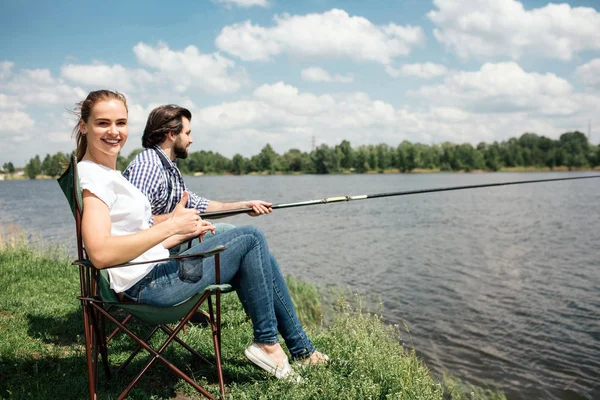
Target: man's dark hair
(161, 121)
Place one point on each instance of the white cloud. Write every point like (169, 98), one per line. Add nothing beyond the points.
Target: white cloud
(244, 3)
(116, 76)
(332, 34)
(15, 121)
(491, 28)
(39, 87)
(589, 74)
(189, 68)
(424, 71)
(6, 69)
(316, 74)
(504, 87)
(9, 102)
(286, 118)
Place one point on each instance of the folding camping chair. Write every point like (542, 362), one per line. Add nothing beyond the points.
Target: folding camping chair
(99, 301)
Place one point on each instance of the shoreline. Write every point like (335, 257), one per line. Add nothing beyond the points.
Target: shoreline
(6, 177)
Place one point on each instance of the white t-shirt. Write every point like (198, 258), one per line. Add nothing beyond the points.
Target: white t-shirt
(129, 213)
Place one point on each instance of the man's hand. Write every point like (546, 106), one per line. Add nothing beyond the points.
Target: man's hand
(259, 207)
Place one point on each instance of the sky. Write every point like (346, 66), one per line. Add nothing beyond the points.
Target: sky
(296, 74)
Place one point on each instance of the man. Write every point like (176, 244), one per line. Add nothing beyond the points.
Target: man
(168, 136)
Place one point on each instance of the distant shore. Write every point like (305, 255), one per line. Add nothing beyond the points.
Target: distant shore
(10, 177)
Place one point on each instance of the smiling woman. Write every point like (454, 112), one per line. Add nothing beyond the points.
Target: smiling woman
(102, 115)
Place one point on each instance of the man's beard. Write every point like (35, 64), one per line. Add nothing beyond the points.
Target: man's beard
(180, 151)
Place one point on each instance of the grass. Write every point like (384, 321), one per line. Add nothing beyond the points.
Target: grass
(42, 346)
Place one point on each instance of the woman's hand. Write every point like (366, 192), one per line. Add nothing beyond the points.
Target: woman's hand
(187, 221)
(204, 227)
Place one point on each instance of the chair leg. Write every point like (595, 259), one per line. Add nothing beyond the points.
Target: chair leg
(137, 350)
(218, 307)
(116, 330)
(166, 329)
(216, 333)
(89, 345)
(97, 320)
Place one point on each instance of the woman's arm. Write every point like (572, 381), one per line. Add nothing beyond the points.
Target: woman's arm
(105, 250)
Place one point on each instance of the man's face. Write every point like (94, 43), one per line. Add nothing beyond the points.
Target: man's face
(184, 140)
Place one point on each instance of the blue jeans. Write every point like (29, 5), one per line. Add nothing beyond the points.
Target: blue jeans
(250, 268)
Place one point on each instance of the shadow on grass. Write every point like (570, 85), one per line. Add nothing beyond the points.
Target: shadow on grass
(61, 331)
(58, 369)
(40, 376)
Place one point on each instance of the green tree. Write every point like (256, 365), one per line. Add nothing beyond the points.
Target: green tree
(384, 156)
(468, 158)
(33, 168)
(291, 161)
(253, 164)
(9, 168)
(373, 157)
(491, 155)
(448, 160)
(324, 160)
(347, 154)
(576, 146)
(361, 160)
(56, 165)
(46, 164)
(238, 164)
(268, 159)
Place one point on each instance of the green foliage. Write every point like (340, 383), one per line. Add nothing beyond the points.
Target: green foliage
(455, 389)
(325, 160)
(8, 167)
(33, 168)
(571, 150)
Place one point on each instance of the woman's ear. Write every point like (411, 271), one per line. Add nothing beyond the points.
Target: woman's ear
(82, 127)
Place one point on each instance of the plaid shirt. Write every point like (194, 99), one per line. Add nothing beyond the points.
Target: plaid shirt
(160, 182)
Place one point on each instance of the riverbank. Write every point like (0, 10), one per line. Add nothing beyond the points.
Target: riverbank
(41, 345)
(7, 177)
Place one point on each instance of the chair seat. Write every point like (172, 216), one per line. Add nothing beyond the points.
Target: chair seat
(151, 314)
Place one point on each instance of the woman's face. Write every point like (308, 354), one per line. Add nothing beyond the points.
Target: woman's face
(106, 128)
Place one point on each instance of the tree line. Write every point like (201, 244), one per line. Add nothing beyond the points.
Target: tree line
(571, 150)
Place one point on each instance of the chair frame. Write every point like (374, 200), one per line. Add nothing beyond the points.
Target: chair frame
(96, 311)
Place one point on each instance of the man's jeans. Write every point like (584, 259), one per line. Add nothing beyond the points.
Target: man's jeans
(250, 268)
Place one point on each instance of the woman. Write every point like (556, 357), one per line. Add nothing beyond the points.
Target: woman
(115, 230)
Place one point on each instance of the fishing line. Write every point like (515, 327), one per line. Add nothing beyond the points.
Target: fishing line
(373, 196)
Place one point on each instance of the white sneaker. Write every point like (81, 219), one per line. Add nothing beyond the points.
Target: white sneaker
(283, 370)
(322, 359)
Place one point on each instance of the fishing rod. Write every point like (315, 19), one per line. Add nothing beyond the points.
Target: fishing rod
(373, 196)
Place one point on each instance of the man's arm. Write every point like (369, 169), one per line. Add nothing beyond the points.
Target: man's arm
(259, 207)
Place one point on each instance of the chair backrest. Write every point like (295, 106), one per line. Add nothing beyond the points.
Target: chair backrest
(69, 183)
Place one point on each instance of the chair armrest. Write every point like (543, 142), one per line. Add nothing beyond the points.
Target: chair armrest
(206, 254)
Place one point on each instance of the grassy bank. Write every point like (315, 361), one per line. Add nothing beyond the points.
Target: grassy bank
(42, 354)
